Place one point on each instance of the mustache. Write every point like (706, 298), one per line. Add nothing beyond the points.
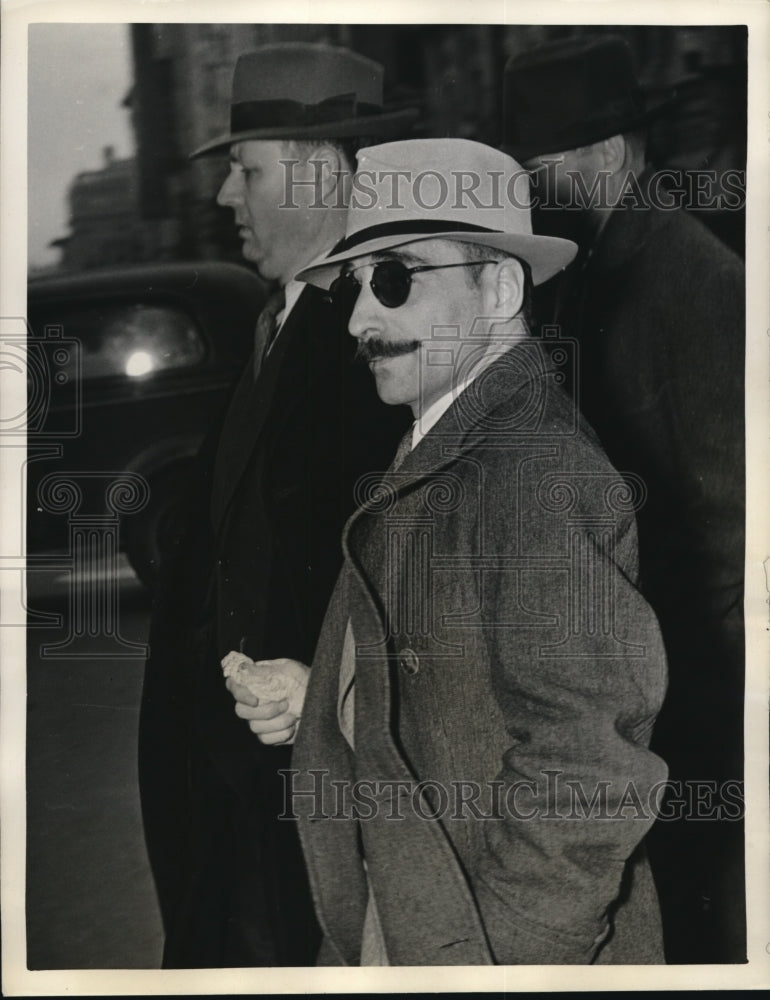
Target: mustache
(370, 350)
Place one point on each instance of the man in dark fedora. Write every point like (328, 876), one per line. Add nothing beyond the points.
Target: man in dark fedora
(471, 770)
(253, 568)
(656, 304)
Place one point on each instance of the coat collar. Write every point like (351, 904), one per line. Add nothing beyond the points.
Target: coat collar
(629, 229)
(278, 389)
(300, 357)
(509, 390)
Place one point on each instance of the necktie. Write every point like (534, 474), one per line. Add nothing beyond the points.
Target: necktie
(267, 325)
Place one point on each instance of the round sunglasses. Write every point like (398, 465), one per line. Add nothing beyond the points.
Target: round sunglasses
(391, 282)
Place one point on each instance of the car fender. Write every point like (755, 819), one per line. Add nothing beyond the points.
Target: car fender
(164, 454)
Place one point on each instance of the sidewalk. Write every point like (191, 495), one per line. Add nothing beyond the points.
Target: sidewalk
(90, 898)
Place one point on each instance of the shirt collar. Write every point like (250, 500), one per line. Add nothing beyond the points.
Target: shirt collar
(436, 410)
(292, 291)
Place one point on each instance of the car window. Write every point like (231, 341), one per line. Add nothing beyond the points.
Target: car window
(132, 340)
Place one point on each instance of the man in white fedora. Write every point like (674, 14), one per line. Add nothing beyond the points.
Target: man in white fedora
(471, 771)
(258, 559)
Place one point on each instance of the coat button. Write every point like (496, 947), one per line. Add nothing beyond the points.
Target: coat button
(409, 661)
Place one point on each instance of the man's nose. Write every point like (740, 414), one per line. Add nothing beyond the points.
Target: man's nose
(229, 193)
(365, 316)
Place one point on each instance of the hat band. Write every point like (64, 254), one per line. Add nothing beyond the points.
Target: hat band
(416, 227)
(534, 127)
(248, 115)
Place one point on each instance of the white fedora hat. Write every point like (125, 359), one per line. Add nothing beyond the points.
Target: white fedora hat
(423, 189)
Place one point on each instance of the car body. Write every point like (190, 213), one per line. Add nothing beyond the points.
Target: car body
(129, 369)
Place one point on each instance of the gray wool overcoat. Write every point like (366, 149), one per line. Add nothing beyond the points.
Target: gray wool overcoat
(507, 677)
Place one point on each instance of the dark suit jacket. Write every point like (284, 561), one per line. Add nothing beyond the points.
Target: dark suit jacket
(499, 639)
(658, 311)
(255, 566)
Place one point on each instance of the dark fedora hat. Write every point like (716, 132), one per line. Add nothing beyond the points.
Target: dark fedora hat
(571, 93)
(303, 90)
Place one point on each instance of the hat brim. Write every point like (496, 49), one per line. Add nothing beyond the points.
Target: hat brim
(386, 124)
(524, 151)
(546, 255)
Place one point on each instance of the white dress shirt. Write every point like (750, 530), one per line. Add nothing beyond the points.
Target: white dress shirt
(292, 291)
(437, 409)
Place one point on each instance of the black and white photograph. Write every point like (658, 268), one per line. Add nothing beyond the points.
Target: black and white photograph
(384, 448)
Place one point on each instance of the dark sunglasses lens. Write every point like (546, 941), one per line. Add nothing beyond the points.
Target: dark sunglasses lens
(391, 282)
(344, 292)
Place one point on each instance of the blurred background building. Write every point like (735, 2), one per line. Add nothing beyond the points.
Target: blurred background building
(106, 218)
(162, 206)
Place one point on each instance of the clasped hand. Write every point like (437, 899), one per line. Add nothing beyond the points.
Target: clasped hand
(271, 721)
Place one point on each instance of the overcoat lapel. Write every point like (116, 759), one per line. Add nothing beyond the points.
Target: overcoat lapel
(263, 402)
(523, 370)
(321, 753)
(331, 851)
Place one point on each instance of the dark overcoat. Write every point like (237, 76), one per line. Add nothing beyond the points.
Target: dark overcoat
(500, 643)
(253, 569)
(658, 309)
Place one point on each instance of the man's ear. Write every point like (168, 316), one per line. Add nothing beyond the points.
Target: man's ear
(329, 171)
(507, 289)
(613, 153)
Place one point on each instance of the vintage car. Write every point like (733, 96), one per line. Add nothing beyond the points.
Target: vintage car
(128, 370)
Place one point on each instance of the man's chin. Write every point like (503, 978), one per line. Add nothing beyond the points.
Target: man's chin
(258, 261)
(387, 386)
